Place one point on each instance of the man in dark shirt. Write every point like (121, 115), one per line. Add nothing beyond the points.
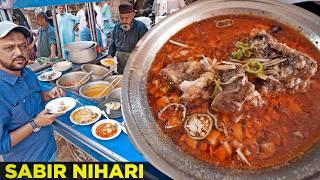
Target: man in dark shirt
(46, 37)
(125, 35)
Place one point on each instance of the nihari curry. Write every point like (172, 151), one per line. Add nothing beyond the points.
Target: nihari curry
(238, 91)
(95, 90)
(84, 116)
(107, 130)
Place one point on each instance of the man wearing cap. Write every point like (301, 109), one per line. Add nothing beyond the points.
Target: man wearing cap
(125, 35)
(25, 128)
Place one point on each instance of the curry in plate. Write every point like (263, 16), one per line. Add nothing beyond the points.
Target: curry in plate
(84, 116)
(107, 130)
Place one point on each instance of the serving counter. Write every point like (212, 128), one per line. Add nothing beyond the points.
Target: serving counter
(119, 149)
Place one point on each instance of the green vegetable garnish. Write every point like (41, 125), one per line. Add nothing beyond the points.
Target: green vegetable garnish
(254, 67)
(44, 60)
(243, 50)
(217, 88)
(237, 54)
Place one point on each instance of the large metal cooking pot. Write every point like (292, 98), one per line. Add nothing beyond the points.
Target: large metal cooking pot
(149, 139)
(82, 51)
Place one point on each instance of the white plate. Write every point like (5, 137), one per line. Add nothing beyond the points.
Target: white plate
(62, 66)
(108, 59)
(54, 75)
(53, 105)
(93, 130)
(94, 109)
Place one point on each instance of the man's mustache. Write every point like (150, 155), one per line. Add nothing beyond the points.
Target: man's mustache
(19, 58)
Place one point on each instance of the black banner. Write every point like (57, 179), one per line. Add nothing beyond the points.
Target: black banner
(88, 170)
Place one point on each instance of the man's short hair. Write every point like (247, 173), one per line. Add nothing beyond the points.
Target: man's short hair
(43, 15)
(126, 8)
(86, 13)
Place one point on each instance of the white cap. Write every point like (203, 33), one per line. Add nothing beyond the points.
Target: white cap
(6, 27)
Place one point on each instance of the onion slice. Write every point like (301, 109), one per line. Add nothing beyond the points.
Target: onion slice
(242, 156)
(231, 80)
(176, 106)
(273, 62)
(179, 44)
(215, 121)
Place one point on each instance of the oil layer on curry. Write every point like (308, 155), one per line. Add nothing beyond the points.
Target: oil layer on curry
(238, 91)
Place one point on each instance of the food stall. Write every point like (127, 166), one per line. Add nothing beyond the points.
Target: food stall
(83, 55)
(187, 141)
(119, 149)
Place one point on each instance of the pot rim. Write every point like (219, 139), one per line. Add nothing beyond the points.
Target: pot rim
(71, 49)
(83, 66)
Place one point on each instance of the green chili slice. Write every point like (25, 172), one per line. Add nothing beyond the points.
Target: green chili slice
(243, 50)
(237, 54)
(217, 88)
(253, 67)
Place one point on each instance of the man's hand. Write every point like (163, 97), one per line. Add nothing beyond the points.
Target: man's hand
(109, 56)
(30, 61)
(53, 93)
(35, 38)
(76, 27)
(56, 92)
(44, 118)
(41, 120)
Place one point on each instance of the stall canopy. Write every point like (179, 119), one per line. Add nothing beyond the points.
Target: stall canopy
(13, 4)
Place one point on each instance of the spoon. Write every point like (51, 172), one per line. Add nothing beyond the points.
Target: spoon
(124, 127)
(104, 90)
(118, 79)
(85, 77)
(88, 110)
(110, 70)
(80, 103)
(83, 106)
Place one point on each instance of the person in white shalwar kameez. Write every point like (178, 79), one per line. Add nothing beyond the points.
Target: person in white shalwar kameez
(67, 24)
(167, 7)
